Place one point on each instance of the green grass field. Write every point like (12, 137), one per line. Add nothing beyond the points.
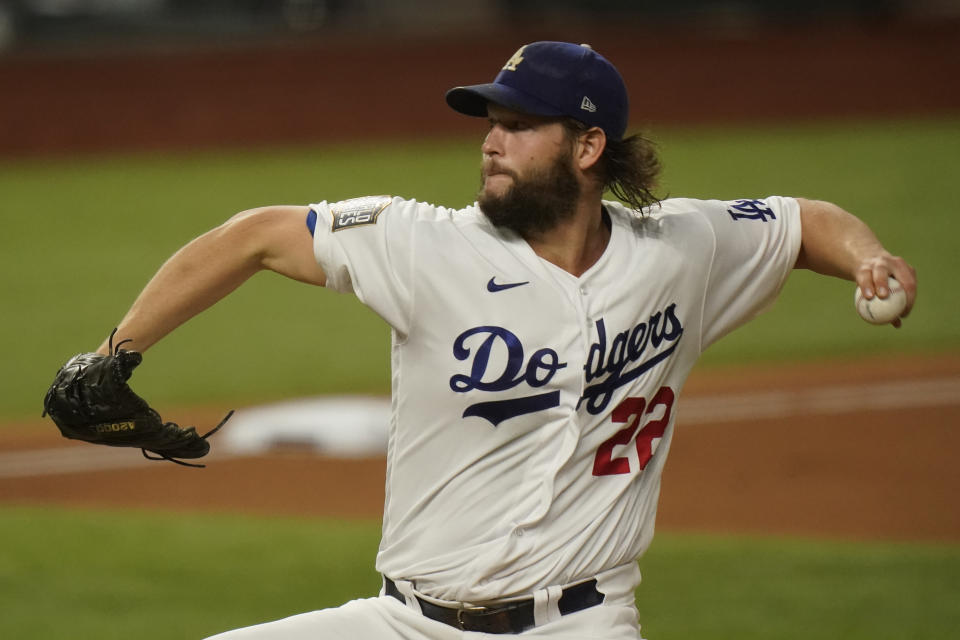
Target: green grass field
(82, 235)
(101, 574)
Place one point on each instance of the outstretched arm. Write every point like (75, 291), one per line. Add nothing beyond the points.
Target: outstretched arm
(216, 263)
(837, 243)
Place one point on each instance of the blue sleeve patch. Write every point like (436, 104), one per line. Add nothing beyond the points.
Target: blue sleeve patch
(312, 221)
(750, 210)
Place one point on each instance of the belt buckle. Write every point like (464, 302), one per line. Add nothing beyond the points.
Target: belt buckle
(461, 610)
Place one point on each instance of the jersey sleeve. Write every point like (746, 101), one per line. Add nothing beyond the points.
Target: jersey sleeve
(364, 246)
(756, 247)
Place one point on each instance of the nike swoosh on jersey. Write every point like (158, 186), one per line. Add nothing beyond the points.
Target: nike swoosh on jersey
(493, 287)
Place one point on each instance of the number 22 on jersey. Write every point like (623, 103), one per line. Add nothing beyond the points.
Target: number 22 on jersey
(631, 412)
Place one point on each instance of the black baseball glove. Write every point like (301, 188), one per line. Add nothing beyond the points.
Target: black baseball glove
(90, 400)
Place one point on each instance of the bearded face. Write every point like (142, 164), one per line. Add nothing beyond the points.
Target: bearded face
(532, 203)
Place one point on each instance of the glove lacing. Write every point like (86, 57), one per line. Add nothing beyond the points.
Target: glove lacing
(161, 456)
(115, 350)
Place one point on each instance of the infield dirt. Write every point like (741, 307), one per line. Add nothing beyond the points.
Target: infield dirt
(840, 471)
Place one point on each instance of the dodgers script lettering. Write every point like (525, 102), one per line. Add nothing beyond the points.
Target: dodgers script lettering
(498, 362)
(535, 371)
(628, 348)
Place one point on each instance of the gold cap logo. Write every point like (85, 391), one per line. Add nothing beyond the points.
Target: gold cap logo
(515, 60)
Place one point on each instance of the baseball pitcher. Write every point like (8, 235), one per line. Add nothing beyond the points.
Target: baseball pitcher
(541, 338)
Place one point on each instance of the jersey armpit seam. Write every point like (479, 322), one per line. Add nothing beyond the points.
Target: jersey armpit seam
(706, 285)
(411, 291)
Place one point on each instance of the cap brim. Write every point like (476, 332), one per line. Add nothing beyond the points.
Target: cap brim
(472, 100)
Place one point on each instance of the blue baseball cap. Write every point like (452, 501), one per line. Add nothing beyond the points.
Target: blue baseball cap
(553, 79)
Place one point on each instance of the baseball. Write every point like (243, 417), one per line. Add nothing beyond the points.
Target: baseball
(878, 310)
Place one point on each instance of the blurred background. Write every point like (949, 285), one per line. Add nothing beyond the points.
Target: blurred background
(50, 23)
(294, 71)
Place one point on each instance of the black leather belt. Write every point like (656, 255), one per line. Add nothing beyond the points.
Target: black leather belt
(511, 617)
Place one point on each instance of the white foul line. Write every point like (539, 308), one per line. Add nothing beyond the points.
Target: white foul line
(74, 458)
(695, 409)
(909, 394)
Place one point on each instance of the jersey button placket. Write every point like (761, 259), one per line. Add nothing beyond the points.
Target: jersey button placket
(585, 325)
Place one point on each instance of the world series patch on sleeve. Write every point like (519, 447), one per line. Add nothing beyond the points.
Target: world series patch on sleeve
(358, 211)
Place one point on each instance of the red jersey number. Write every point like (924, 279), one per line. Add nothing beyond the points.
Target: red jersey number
(631, 411)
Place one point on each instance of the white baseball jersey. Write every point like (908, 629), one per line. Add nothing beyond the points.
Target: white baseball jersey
(533, 410)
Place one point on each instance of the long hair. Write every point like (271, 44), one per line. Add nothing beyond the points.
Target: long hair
(628, 168)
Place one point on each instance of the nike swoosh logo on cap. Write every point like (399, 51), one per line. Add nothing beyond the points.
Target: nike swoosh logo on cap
(493, 287)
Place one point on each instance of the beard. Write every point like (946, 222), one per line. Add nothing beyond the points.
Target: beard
(536, 203)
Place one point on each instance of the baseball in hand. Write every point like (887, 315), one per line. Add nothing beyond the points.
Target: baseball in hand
(878, 310)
